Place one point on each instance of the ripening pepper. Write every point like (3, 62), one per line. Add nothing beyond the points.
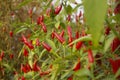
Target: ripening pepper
(11, 34)
(25, 53)
(80, 14)
(44, 28)
(23, 68)
(40, 19)
(25, 41)
(77, 35)
(90, 56)
(1, 55)
(46, 46)
(37, 42)
(115, 44)
(70, 78)
(61, 39)
(79, 45)
(69, 31)
(115, 65)
(30, 12)
(62, 33)
(107, 30)
(117, 8)
(58, 9)
(69, 18)
(77, 66)
(35, 68)
(27, 66)
(11, 56)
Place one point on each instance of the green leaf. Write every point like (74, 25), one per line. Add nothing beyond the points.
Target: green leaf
(51, 43)
(7, 66)
(18, 30)
(118, 73)
(30, 58)
(56, 68)
(67, 74)
(76, 8)
(108, 43)
(29, 74)
(68, 9)
(57, 25)
(84, 38)
(83, 72)
(95, 11)
(23, 3)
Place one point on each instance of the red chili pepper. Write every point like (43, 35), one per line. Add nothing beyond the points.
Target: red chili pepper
(11, 34)
(29, 44)
(58, 9)
(62, 33)
(44, 27)
(115, 44)
(80, 14)
(28, 68)
(44, 73)
(61, 39)
(117, 8)
(76, 18)
(77, 66)
(1, 55)
(30, 12)
(48, 11)
(107, 30)
(24, 39)
(25, 52)
(23, 68)
(52, 35)
(90, 43)
(115, 65)
(11, 56)
(40, 19)
(36, 67)
(90, 56)
(83, 33)
(15, 72)
(23, 78)
(77, 35)
(37, 42)
(70, 78)
(69, 18)
(46, 46)
(69, 30)
(79, 45)
(70, 41)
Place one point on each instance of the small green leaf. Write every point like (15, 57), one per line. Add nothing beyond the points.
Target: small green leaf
(29, 74)
(66, 74)
(57, 25)
(108, 43)
(18, 30)
(82, 72)
(118, 73)
(7, 66)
